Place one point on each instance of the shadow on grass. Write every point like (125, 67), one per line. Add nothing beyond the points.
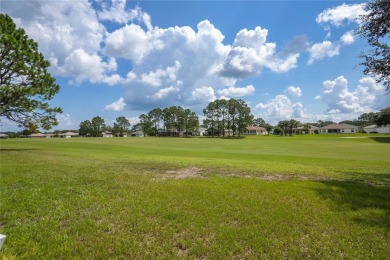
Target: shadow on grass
(226, 137)
(367, 204)
(383, 139)
(15, 150)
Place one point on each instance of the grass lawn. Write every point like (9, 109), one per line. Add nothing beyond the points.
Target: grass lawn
(314, 196)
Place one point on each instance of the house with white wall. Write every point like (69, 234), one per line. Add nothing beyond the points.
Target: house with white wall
(338, 129)
(255, 130)
(68, 135)
(107, 134)
(377, 129)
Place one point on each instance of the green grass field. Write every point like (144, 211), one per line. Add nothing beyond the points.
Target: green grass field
(268, 197)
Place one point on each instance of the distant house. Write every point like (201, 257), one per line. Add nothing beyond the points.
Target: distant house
(171, 133)
(137, 134)
(3, 136)
(304, 130)
(107, 134)
(40, 135)
(255, 130)
(68, 135)
(201, 131)
(338, 129)
(300, 130)
(216, 132)
(314, 130)
(377, 129)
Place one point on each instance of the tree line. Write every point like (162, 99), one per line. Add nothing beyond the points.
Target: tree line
(230, 117)
(170, 121)
(221, 118)
(96, 126)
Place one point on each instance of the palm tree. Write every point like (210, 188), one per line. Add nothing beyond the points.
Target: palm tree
(284, 126)
(292, 124)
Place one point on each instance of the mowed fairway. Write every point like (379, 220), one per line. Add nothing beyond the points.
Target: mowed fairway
(317, 196)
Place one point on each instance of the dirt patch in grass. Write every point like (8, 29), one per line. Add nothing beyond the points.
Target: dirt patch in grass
(180, 249)
(192, 172)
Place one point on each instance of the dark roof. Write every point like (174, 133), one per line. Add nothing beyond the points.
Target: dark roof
(339, 126)
(256, 128)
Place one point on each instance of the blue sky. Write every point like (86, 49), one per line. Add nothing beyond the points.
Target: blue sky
(287, 59)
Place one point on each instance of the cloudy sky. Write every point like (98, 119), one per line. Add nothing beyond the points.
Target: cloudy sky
(287, 59)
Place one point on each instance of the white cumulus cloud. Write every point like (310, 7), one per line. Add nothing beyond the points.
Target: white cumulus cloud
(324, 49)
(367, 96)
(178, 62)
(131, 42)
(204, 93)
(251, 53)
(348, 38)
(342, 13)
(116, 11)
(236, 92)
(280, 108)
(118, 105)
(69, 34)
(88, 41)
(81, 66)
(65, 121)
(294, 91)
(155, 78)
(165, 92)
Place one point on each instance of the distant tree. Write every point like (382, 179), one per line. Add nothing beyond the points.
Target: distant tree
(245, 117)
(155, 116)
(11, 134)
(115, 130)
(348, 122)
(259, 122)
(121, 126)
(278, 130)
(97, 126)
(25, 83)
(178, 115)
(382, 118)
(233, 107)
(367, 118)
(284, 127)
(107, 128)
(222, 113)
(191, 121)
(268, 127)
(31, 129)
(292, 124)
(85, 128)
(211, 117)
(146, 124)
(306, 127)
(168, 119)
(233, 114)
(321, 123)
(375, 27)
(57, 132)
(136, 127)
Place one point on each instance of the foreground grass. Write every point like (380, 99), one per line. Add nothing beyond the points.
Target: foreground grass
(267, 197)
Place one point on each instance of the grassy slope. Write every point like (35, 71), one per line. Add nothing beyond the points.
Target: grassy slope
(98, 198)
